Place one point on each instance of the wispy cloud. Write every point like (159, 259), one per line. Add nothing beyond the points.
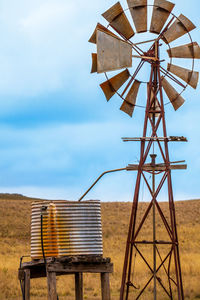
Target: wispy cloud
(57, 132)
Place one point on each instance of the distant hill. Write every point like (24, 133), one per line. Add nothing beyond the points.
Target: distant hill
(16, 196)
(13, 196)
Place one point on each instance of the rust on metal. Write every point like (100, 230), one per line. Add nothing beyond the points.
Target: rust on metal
(189, 76)
(161, 12)
(174, 97)
(133, 92)
(69, 228)
(180, 27)
(157, 142)
(138, 10)
(118, 20)
(155, 93)
(191, 50)
(93, 38)
(128, 104)
(127, 107)
(94, 63)
(112, 85)
(155, 107)
(112, 53)
(157, 167)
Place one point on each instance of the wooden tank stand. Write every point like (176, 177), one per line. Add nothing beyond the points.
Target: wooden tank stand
(76, 265)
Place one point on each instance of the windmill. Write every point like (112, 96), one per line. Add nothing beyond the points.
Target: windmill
(118, 49)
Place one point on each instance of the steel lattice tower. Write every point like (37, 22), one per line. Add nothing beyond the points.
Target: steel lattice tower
(117, 49)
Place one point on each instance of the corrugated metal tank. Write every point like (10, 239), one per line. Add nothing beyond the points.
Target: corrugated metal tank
(68, 228)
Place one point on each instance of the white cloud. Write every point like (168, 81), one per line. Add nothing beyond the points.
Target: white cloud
(47, 14)
(44, 45)
(39, 47)
(60, 148)
(71, 157)
(44, 49)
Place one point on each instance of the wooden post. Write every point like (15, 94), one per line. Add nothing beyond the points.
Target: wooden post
(79, 286)
(105, 286)
(64, 266)
(27, 284)
(51, 284)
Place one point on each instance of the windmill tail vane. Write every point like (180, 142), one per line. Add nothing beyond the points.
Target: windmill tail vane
(118, 50)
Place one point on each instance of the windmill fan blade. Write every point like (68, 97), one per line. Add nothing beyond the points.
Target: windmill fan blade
(129, 103)
(111, 86)
(127, 108)
(132, 94)
(161, 12)
(93, 38)
(118, 20)
(174, 97)
(112, 53)
(190, 77)
(180, 27)
(191, 50)
(94, 63)
(138, 9)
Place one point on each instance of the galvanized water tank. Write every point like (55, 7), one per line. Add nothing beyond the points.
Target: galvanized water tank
(68, 228)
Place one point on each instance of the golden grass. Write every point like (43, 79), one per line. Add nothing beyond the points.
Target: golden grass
(15, 237)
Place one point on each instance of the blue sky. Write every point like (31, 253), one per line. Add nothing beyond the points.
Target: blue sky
(57, 132)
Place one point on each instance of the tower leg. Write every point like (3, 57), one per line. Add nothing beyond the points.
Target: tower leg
(176, 245)
(129, 248)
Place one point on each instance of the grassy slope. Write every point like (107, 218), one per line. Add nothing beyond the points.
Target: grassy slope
(15, 236)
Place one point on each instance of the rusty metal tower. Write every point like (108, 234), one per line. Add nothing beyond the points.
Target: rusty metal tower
(117, 49)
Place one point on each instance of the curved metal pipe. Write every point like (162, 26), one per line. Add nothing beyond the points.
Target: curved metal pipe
(106, 172)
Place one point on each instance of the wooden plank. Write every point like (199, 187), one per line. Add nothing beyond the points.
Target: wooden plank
(51, 285)
(72, 265)
(178, 167)
(27, 284)
(157, 167)
(161, 139)
(67, 259)
(163, 167)
(105, 286)
(82, 268)
(84, 259)
(35, 263)
(78, 286)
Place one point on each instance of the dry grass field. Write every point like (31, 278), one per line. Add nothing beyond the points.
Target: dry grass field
(15, 237)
